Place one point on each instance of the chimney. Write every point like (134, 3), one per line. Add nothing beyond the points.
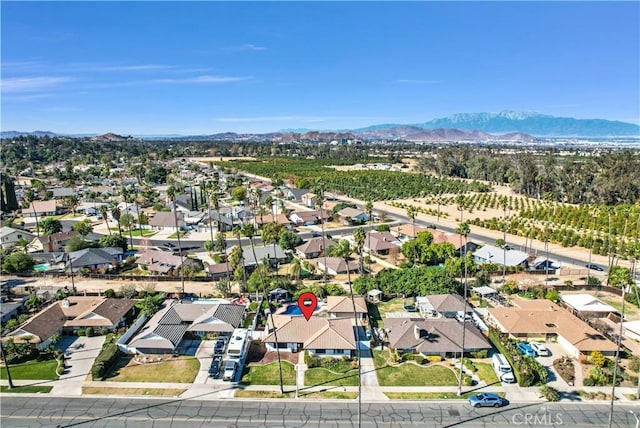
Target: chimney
(416, 331)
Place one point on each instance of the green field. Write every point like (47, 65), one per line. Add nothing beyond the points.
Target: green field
(410, 374)
(179, 370)
(268, 374)
(32, 370)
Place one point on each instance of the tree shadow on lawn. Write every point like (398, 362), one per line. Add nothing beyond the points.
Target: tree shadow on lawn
(121, 363)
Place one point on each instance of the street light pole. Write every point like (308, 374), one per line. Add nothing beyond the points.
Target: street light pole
(6, 365)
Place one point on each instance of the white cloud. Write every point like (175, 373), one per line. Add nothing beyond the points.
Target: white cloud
(30, 84)
(246, 47)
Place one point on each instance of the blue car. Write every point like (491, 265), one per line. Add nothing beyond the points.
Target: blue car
(526, 349)
(487, 399)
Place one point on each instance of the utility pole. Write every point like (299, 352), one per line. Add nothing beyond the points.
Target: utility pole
(6, 365)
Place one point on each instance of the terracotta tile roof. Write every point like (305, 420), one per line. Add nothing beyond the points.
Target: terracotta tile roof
(544, 317)
(407, 230)
(317, 333)
(338, 304)
(41, 207)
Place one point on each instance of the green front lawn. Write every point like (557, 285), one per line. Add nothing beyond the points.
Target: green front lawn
(268, 374)
(486, 373)
(319, 376)
(145, 232)
(29, 389)
(179, 370)
(410, 374)
(432, 395)
(32, 370)
(175, 235)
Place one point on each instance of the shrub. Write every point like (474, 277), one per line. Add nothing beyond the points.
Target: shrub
(107, 357)
(483, 353)
(434, 358)
(588, 382)
(104, 331)
(551, 394)
(80, 332)
(109, 293)
(88, 331)
(467, 380)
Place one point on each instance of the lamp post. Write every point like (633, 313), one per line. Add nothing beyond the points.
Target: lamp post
(6, 365)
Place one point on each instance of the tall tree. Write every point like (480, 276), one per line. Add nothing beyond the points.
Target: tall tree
(359, 237)
(369, 210)
(104, 212)
(115, 214)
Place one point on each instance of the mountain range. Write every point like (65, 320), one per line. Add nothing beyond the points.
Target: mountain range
(503, 126)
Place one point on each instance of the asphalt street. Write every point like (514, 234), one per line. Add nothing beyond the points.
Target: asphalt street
(35, 411)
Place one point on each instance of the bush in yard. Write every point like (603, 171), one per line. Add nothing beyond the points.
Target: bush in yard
(434, 358)
(483, 353)
(551, 394)
(80, 332)
(312, 361)
(467, 380)
(109, 293)
(588, 382)
(107, 357)
(104, 331)
(88, 332)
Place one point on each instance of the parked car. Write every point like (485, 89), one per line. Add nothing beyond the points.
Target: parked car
(594, 267)
(214, 370)
(540, 349)
(315, 234)
(229, 370)
(487, 399)
(169, 245)
(526, 349)
(220, 345)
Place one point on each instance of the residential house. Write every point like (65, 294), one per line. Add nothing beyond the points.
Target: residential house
(587, 306)
(63, 192)
(542, 264)
(160, 262)
(441, 336)
(308, 218)
(336, 265)
(544, 320)
(342, 307)
(352, 215)
(309, 199)
(95, 258)
(164, 220)
(52, 243)
(221, 222)
(220, 270)
(314, 247)
(454, 239)
(294, 195)
(72, 314)
(320, 336)
(381, 243)
(501, 257)
(167, 328)
(441, 305)
(261, 220)
(273, 253)
(631, 330)
(9, 236)
(10, 309)
(41, 209)
(405, 232)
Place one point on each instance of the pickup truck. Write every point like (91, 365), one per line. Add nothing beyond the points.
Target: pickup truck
(229, 370)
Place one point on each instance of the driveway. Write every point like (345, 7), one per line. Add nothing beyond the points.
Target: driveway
(80, 353)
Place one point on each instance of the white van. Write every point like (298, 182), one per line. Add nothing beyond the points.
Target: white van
(502, 368)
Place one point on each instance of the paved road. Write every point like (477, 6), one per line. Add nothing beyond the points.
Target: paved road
(115, 412)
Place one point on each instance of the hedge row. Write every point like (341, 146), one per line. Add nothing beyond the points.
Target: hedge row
(107, 357)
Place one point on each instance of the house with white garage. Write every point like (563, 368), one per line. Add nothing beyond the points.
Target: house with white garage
(499, 256)
(9, 236)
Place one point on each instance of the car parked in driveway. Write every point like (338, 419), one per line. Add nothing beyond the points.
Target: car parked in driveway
(487, 399)
(229, 370)
(220, 345)
(540, 349)
(594, 267)
(214, 370)
(526, 349)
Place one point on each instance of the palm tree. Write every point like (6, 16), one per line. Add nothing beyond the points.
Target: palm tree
(359, 237)
(72, 203)
(411, 213)
(115, 213)
(295, 269)
(369, 210)
(249, 231)
(593, 228)
(619, 277)
(171, 193)
(104, 211)
(320, 206)
(127, 198)
(27, 200)
(344, 250)
(463, 230)
(504, 203)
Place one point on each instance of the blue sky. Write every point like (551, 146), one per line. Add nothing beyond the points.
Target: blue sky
(204, 67)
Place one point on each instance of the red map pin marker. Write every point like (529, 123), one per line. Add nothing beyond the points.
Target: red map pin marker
(307, 302)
